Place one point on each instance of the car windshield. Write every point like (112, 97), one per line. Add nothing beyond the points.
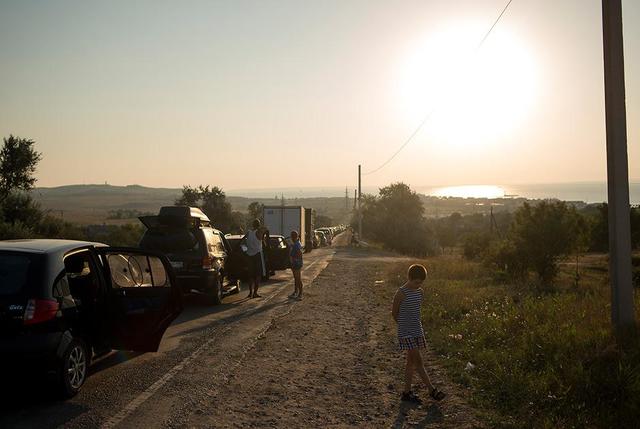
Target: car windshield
(16, 271)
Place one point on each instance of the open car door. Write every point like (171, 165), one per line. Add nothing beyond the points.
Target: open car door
(144, 297)
(279, 254)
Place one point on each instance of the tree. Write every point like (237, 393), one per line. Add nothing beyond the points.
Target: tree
(599, 230)
(213, 202)
(18, 161)
(544, 233)
(19, 207)
(323, 220)
(255, 211)
(447, 230)
(190, 197)
(395, 219)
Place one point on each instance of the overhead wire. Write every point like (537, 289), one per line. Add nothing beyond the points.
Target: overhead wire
(432, 111)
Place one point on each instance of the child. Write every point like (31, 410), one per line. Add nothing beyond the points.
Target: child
(295, 257)
(406, 312)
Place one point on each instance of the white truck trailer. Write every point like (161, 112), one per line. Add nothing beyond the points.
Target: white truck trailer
(281, 220)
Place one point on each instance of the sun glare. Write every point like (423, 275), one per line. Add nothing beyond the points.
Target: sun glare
(471, 191)
(476, 96)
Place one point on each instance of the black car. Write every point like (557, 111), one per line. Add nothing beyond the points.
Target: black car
(64, 302)
(198, 253)
(276, 258)
(278, 253)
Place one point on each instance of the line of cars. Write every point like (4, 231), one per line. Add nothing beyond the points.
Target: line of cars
(64, 303)
(324, 236)
(205, 260)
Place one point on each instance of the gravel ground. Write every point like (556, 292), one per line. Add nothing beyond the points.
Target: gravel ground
(326, 361)
(330, 361)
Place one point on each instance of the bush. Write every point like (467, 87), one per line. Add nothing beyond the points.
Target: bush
(475, 245)
(505, 259)
(15, 231)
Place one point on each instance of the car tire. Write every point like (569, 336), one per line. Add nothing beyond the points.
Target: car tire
(214, 296)
(73, 368)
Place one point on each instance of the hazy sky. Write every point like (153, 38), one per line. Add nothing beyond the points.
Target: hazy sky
(251, 94)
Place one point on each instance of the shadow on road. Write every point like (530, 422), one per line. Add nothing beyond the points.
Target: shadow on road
(196, 307)
(32, 400)
(433, 416)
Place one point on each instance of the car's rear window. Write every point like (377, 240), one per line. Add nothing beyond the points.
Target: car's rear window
(17, 270)
(170, 240)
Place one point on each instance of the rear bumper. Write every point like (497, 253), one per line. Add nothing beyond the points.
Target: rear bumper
(30, 348)
(202, 281)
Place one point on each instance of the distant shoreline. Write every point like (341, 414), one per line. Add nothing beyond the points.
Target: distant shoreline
(588, 192)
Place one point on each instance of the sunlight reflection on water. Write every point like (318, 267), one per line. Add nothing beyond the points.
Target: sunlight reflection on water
(470, 191)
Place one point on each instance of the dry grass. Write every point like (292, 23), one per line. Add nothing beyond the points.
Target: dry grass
(539, 359)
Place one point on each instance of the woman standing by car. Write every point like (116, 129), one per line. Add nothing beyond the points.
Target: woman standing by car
(254, 252)
(295, 256)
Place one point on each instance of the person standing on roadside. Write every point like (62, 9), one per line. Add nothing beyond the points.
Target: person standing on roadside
(295, 257)
(254, 252)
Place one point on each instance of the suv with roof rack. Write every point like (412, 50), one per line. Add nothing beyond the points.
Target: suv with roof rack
(198, 252)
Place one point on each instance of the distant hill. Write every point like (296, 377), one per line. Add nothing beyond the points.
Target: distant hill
(97, 204)
(107, 204)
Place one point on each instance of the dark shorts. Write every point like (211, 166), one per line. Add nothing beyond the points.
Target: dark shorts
(255, 266)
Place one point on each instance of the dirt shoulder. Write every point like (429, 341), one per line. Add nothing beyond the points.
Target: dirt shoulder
(330, 361)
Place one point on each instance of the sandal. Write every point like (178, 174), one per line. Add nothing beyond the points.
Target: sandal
(436, 394)
(410, 397)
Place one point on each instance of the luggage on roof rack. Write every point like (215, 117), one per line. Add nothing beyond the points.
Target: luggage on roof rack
(176, 217)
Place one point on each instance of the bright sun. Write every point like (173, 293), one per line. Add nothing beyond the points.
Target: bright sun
(476, 96)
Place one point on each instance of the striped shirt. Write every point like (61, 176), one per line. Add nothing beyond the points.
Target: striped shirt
(409, 323)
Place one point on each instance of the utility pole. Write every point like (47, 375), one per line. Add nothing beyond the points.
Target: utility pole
(346, 198)
(622, 308)
(359, 202)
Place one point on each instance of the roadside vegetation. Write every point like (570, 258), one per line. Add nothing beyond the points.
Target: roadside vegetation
(533, 359)
(518, 307)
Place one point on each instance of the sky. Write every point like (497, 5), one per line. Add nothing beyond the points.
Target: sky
(262, 94)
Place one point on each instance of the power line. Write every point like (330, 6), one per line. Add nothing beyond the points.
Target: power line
(432, 111)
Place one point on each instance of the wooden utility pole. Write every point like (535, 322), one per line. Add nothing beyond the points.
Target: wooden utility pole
(622, 308)
(359, 202)
(346, 198)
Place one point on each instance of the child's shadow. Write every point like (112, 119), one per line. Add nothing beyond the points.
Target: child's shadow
(433, 415)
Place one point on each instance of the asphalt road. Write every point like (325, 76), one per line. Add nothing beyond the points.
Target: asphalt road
(199, 351)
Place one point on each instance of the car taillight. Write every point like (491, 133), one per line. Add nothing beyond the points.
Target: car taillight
(207, 262)
(40, 310)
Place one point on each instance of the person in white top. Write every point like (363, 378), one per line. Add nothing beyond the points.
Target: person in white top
(254, 251)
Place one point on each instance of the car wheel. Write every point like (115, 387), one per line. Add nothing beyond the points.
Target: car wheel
(73, 368)
(215, 293)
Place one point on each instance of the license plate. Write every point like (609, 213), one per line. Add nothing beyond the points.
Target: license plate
(177, 264)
